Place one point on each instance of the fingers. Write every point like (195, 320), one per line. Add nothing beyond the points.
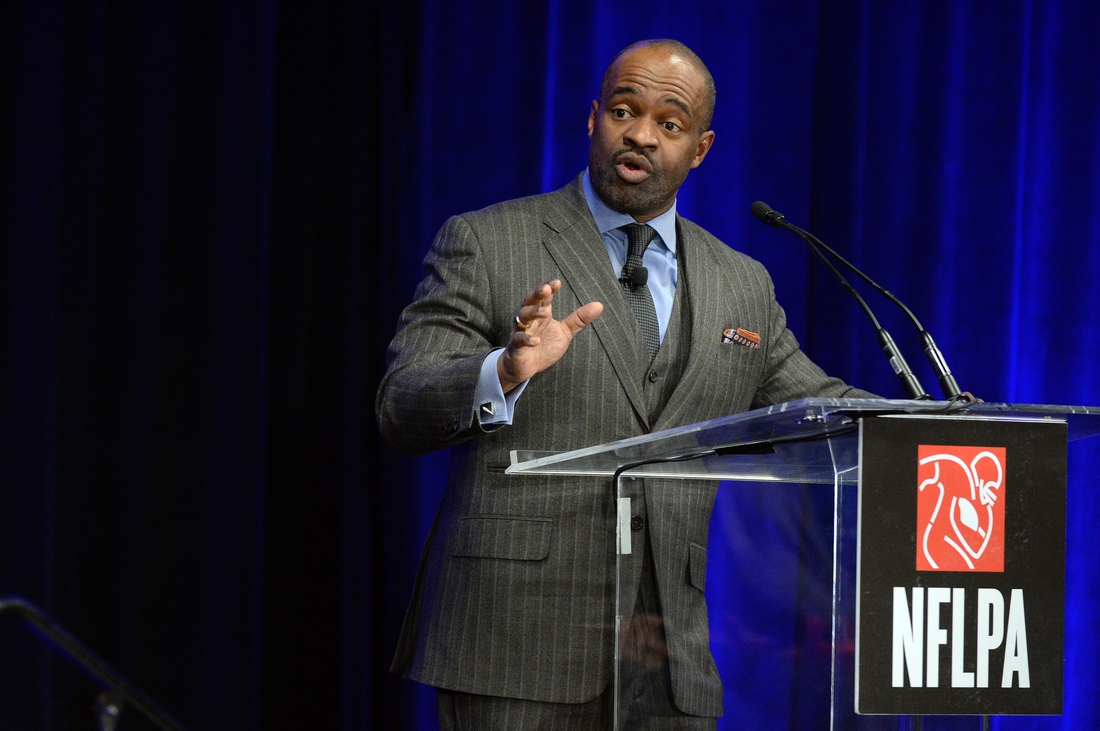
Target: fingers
(528, 315)
(543, 294)
(537, 310)
(522, 339)
(536, 306)
(583, 316)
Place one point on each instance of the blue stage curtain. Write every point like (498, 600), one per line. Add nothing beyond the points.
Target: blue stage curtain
(211, 215)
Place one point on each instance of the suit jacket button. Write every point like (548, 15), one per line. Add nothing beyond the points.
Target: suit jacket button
(636, 522)
(653, 376)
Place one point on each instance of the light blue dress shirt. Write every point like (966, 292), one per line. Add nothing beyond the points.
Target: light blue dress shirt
(659, 258)
(494, 408)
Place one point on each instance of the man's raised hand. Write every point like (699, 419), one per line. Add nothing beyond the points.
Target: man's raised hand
(538, 340)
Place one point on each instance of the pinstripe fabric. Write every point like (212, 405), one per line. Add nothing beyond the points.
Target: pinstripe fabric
(462, 712)
(663, 375)
(515, 593)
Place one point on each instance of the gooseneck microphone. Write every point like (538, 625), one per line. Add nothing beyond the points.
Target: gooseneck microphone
(947, 381)
(897, 361)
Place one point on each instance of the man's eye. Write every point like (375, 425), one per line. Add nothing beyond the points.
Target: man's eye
(619, 113)
(671, 126)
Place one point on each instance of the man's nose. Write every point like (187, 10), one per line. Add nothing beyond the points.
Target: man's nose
(643, 133)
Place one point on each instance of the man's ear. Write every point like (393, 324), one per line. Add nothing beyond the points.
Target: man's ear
(705, 141)
(592, 117)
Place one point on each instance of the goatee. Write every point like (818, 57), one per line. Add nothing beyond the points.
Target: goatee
(652, 196)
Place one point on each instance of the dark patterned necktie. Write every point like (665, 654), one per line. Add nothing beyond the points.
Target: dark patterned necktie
(639, 235)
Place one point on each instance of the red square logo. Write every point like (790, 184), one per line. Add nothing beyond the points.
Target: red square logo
(960, 508)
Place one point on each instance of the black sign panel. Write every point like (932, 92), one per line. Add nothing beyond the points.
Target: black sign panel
(961, 573)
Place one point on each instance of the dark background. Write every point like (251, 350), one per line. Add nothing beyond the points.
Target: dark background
(212, 213)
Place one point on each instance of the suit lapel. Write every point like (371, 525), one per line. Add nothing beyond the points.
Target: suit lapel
(577, 248)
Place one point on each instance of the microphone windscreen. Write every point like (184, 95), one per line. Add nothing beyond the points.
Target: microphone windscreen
(639, 277)
(760, 209)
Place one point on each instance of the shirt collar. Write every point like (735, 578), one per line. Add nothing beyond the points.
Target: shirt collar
(608, 219)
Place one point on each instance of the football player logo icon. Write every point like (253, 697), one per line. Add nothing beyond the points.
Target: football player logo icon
(960, 508)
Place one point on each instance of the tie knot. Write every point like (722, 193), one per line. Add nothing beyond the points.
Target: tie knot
(638, 235)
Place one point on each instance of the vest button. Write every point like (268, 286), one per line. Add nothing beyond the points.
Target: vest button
(653, 376)
(636, 522)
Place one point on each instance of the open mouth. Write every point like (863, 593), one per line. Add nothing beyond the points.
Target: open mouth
(632, 168)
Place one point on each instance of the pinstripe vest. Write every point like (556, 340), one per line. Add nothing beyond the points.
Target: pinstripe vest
(659, 380)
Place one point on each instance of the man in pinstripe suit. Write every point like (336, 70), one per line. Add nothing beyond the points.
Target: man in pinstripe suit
(512, 615)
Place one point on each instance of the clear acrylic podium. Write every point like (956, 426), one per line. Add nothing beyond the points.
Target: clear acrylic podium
(812, 441)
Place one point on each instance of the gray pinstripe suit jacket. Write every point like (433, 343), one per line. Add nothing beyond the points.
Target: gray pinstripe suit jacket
(514, 595)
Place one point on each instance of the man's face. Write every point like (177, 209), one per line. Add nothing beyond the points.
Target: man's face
(645, 133)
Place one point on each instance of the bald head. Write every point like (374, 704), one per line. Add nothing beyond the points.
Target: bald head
(649, 127)
(677, 50)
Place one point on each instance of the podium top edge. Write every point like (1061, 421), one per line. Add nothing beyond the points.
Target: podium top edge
(802, 418)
